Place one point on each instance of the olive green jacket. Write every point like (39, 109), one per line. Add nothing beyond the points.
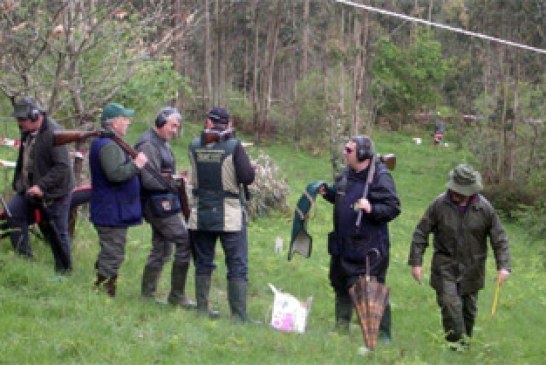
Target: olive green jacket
(460, 242)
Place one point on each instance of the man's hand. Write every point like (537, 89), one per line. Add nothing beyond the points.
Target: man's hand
(417, 273)
(35, 191)
(140, 160)
(322, 189)
(364, 204)
(502, 276)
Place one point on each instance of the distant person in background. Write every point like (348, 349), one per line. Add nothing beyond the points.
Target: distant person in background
(461, 220)
(161, 207)
(350, 244)
(115, 197)
(221, 170)
(438, 135)
(42, 181)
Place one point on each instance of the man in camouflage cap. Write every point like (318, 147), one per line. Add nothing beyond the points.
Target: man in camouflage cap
(461, 220)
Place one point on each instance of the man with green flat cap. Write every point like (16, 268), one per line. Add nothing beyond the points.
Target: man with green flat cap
(461, 220)
(115, 199)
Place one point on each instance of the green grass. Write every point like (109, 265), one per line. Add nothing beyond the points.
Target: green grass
(44, 321)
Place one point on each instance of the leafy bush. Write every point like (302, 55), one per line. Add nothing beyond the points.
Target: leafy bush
(269, 190)
(510, 198)
(532, 218)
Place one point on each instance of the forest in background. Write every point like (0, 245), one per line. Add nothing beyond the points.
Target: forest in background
(306, 72)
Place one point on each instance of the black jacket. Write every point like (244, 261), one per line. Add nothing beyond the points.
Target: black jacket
(352, 243)
(51, 170)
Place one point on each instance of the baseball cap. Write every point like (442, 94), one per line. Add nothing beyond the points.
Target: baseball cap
(114, 110)
(218, 115)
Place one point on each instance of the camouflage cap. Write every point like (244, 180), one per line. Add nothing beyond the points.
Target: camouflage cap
(464, 180)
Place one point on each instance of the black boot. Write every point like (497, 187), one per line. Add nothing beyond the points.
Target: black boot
(110, 286)
(385, 326)
(100, 281)
(177, 295)
(202, 288)
(150, 277)
(237, 299)
(344, 312)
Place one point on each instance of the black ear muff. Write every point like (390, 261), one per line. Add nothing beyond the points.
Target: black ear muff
(164, 114)
(29, 107)
(160, 120)
(364, 147)
(33, 114)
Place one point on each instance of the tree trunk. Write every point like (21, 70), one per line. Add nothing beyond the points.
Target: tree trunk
(305, 40)
(255, 104)
(179, 51)
(207, 89)
(360, 41)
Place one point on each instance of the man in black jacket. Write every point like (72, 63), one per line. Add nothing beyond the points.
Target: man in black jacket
(360, 226)
(43, 180)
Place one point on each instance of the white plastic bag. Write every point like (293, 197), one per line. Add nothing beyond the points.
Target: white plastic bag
(289, 314)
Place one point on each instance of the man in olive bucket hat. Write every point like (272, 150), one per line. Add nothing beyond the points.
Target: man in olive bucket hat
(461, 220)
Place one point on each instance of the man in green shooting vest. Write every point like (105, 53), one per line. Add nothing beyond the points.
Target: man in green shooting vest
(221, 170)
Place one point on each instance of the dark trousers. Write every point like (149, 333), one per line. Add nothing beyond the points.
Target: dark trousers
(235, 248)
(23, 211)
(166, 232)
(112, 242)
(458, 311)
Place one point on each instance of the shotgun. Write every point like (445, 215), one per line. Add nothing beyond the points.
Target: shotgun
(213, 135)
(63, 137)
(52, 234)
(5, 218)
(390, 161)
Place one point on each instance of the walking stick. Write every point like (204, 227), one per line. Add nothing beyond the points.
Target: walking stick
(495, 297)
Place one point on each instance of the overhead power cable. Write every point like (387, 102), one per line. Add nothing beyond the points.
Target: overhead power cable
(442, 26)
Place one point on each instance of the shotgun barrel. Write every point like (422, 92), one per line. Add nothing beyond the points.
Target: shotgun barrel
(63, 137)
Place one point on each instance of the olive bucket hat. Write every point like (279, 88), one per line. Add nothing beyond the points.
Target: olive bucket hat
(464, 180)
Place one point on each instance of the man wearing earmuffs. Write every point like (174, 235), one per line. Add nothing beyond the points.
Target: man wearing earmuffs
(161, 208)
(365, 200)
(42, 181)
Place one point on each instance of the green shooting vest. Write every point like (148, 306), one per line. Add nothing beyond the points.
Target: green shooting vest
(216, 196)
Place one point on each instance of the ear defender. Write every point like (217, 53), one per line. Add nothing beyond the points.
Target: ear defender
(164, 114)
(364, 147)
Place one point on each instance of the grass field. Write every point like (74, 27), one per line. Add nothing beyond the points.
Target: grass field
(49, 321)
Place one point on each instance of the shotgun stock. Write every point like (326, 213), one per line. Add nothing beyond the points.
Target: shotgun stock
(389, 160)
(63, 137)
(213, 135)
